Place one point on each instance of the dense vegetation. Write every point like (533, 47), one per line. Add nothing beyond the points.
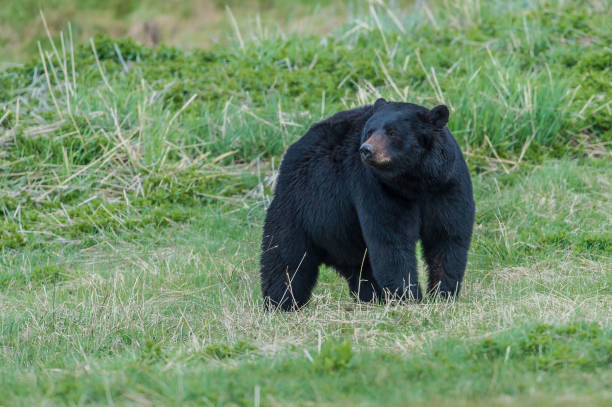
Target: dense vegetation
(133, 183)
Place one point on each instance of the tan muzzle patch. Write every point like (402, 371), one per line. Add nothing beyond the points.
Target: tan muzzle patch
(380, 155)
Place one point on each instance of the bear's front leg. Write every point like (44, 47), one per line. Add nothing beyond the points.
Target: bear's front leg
(391, 240)
(395, 271)
(446, 260)
(362, 284)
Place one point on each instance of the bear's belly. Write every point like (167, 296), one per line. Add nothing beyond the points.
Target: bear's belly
(331, 219)
(341, 243)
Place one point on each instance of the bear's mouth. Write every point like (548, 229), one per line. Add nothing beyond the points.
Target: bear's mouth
(379, 164)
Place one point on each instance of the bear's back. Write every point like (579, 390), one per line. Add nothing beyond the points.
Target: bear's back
(327, 145)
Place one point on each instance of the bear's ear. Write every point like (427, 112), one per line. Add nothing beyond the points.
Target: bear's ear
(438, 116)
(379, 103)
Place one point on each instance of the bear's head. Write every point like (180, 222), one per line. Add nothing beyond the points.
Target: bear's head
(398, 136)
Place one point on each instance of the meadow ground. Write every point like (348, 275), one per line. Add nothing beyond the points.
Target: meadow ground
(134, 182)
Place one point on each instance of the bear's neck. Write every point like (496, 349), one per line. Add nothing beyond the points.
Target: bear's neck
(404, 186)
(436, 173)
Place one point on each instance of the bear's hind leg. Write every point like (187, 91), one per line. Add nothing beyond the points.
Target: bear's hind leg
(287, 283)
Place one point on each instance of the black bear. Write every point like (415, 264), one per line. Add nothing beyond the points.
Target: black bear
(357, 192)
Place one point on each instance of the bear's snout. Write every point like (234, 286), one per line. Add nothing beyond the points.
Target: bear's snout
(374, 150)
(366, 151)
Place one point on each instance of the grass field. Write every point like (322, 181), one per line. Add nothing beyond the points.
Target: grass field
(134, 182)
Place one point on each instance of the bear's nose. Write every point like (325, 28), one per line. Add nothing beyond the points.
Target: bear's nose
(366, 151)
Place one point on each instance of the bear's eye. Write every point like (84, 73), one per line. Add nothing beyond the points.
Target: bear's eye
(392, 133)
(369, 132)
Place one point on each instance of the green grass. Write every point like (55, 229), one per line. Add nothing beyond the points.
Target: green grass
(134, 186)
(191, 24)
(175, 316)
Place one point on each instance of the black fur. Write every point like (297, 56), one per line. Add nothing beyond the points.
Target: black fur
(329, 206)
